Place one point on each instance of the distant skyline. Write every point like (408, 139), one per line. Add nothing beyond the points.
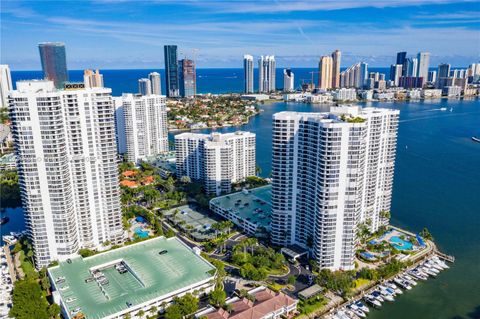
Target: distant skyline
(121, 34)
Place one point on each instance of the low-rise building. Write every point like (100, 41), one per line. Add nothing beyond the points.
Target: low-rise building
(344, 95)
(165, 163)
(250, 210)
(319, 98)
(452, 91)
(297, 97)
(414, 94)
(366, 95)
(266, 304)
(470, 91)
(255, 97)
(385, 96)
(124, 281)
(431, 93)
(8, 162)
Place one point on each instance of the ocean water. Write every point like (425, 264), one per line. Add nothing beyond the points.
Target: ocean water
(437, 184)
(208, 80)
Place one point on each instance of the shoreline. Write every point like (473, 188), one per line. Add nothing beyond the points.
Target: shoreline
(423, 256)
(271, 101)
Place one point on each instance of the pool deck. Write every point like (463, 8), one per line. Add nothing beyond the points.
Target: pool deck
(150, 276)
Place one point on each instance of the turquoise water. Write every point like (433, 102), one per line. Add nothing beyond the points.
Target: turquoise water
(141, 233)
(400, 244)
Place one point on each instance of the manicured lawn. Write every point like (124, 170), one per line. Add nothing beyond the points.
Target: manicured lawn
(361, 282)
(27, 266)
(312, 307)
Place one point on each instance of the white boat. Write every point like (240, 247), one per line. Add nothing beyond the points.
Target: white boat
(372, 301)
(428, 271)
(377, 295)
(402, 283)
(385, 295)
(440, 262)
(361, 306)
(409, 279)
(417, 274)
(433, 264)
(351, 314)
(443, 109)
(388, 289)
(433, 269)
(342, 315)
(354, 308)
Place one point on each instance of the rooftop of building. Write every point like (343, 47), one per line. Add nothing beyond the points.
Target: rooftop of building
(253, 205)
(334, 114)
(215, 136)
(266, 302)
(150, 275)
(8, 159)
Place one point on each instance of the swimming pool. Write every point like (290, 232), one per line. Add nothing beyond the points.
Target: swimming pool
(400, 244)
(141, 233)
(368, 256)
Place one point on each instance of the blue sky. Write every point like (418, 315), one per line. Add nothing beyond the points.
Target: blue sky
(130, 34)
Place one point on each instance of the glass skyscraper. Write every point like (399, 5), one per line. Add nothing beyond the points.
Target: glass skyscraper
(171, 71)
(54, 62)
(188, 83)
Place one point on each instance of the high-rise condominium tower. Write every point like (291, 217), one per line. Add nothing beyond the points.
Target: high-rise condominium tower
(217, 160)
(248, 73)
(67, 163)
(410, 67)
(336, 57)
(188, 78)
(396, 73)
(154, 78)
(144, 86)
(54, 62)
(171, 71)
(325, 69)
(444, 70)
(288, 80)
(329, 174)
(266, 74)
(92, 79)
(142, 120)
(401, 56)
(354, 76)
(423, 64)
(432, 76)
(5, 84)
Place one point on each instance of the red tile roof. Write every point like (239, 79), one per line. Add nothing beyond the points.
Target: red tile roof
(266, 301)
(129, 173)
(130, 184)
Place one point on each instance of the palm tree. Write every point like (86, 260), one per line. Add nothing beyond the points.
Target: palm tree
(154, 310)
(228, 225)
(250, 242)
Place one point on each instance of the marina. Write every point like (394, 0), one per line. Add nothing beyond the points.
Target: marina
(386, 291)
(6, 284)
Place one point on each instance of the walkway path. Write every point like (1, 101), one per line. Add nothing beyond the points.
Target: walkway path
(11, 266)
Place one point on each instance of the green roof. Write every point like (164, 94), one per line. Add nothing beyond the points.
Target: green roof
(254, 205)
(152, 275)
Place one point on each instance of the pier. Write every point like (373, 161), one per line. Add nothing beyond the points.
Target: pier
(446, 257)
